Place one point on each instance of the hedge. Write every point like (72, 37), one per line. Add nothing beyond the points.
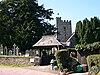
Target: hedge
(64, 60)
(91, 46)
(93, 59)
(93, 62)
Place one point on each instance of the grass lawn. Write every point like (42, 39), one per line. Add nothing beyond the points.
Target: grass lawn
(15, 65)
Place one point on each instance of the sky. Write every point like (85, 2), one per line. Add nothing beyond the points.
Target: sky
(74, 10)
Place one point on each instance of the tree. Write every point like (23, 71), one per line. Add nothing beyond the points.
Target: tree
(88, 31)
(78, 32)
(23, 22)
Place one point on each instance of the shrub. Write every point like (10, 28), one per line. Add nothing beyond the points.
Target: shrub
(93, 62)
(63, 58)
(91, 46)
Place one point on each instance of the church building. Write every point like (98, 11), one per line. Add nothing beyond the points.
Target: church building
(64, 31)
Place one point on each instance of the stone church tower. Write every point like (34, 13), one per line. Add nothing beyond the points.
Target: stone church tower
(64, 29)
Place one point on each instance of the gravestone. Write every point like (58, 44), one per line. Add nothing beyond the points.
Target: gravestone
(5, 50)
(17, 50)
(26, 53)
(10, 52)
(19, 53)
(31, 53)
(14, 50)
(1, 49)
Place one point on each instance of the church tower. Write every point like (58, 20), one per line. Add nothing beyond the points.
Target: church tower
(64, 29)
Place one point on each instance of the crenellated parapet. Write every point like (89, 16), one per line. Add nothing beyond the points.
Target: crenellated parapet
(64, 29)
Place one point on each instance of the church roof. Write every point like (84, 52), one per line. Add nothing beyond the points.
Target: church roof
(71, 37)
(47, 41)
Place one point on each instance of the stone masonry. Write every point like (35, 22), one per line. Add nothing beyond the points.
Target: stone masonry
(64, 29)
(14, 60)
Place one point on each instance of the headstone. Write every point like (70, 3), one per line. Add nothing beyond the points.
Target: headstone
(17, 49)
(31, 53)
(27, 53)
(5, 50)
(10, 52)
(14, 50)
(20, 54)
(1, 49)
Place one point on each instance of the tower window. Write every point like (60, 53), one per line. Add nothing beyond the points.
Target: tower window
(64, 28)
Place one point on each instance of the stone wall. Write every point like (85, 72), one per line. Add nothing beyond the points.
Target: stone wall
(14, 60)
(82, 55)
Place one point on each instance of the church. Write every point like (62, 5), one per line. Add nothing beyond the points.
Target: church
(64, 35)
(64, 32)
(48, 44)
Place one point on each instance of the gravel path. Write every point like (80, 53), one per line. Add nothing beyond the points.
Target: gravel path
(21, 71)
(32, 70)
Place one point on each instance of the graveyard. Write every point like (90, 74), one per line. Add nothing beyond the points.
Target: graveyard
(31, 58)
(31, 43)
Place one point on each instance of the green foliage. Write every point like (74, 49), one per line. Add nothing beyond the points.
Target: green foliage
(61, 57)
(15, 65)
(92, 46)
(64, 60)
(23, 22)
(93, 59)
(87, 31)
(93, 62)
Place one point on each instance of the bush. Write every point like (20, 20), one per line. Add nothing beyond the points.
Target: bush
(91, 46)
(93, 62)
(63, 58)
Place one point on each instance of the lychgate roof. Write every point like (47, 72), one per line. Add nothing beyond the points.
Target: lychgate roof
(47, 41)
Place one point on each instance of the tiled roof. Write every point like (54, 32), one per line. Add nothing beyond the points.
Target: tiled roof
(71, 37)
(47, 41)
